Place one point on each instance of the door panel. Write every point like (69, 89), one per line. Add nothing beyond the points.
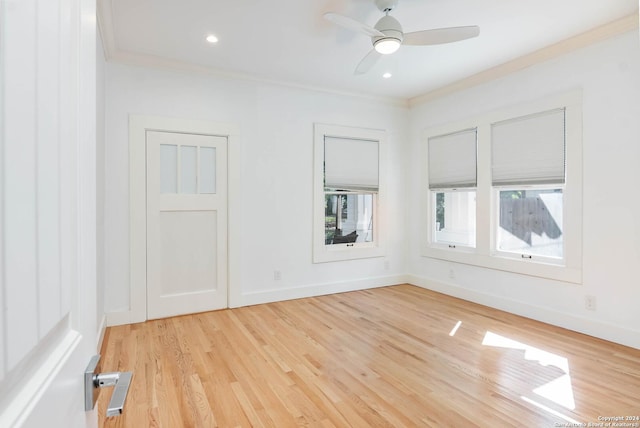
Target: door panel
(47, 211)
(188, 259)
(186, 223)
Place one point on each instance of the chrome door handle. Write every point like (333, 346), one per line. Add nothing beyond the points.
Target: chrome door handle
(94, 381)
(121, 382)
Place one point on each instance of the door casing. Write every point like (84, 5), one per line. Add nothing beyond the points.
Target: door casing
(138, 126)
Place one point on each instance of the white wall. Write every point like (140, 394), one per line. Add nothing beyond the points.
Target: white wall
(274, 230)
(609, 75)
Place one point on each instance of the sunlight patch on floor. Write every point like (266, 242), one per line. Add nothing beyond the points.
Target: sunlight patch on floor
(455, 328)
(559, 390)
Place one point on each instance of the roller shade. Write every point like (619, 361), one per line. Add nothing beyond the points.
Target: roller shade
(452, 160)
(350, 164)
(529, 149)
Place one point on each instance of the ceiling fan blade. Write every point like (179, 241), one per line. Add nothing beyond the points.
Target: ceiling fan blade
(440, 35)
(351, 24)
(367, 62)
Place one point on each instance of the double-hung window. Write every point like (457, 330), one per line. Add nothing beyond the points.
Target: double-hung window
(528, 178)
(347, 193)
(452, 186)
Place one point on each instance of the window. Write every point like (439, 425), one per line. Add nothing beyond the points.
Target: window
(452, 183)
(528, 176)
(505, 202)
(347, 193)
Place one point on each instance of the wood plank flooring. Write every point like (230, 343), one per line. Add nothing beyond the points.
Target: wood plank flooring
(387, 357)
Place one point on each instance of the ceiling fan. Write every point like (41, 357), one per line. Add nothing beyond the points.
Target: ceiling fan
(387, 36)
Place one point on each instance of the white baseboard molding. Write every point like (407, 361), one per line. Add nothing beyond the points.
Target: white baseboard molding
(280, 294)
(101, 330)
(312, 290)
(120, 318)
(602, 330)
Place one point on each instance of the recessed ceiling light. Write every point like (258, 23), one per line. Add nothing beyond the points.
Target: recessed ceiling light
(386, 75)
(212, 39)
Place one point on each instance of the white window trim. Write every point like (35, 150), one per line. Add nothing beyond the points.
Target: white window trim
(337, 252)
(485, 254)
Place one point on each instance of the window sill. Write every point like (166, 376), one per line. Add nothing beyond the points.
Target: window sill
(336, 253)
(531, 267)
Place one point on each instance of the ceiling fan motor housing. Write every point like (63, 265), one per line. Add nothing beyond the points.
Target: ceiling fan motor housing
(390, 27)
(386, 5)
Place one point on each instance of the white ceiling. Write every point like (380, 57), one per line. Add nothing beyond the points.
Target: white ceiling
(289, 41)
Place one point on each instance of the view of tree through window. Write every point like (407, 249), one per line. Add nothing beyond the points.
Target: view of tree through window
(440, 211)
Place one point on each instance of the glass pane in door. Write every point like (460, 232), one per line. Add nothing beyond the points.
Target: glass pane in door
(207, 170)
(168, 168)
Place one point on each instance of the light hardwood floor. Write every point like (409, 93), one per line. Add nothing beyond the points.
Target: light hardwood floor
(375, 358)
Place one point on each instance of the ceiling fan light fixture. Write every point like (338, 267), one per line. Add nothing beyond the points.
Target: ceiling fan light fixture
(389, 41)
(387, 35)
(386, 45)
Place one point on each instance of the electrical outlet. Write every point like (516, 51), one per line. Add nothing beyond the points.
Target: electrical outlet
(277, 275)
(452, 274)
(386, 265)
(590, 302)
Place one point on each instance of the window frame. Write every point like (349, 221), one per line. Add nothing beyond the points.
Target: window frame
(322, 252)
(485, 254)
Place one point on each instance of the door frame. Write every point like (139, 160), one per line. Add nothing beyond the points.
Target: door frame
(138, 126)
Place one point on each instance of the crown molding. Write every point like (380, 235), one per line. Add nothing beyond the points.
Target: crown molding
(153, 61)
(113, 54)
(571, 44)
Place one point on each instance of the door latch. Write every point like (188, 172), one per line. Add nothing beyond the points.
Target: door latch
(94, 381)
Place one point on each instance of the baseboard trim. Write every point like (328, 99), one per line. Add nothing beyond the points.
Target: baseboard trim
(120, 318)
(601, 330)
(280, 294)
(102, 328)
(312, 290)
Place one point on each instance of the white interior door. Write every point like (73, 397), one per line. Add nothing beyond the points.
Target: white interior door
(48, 327)
(186, 223)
